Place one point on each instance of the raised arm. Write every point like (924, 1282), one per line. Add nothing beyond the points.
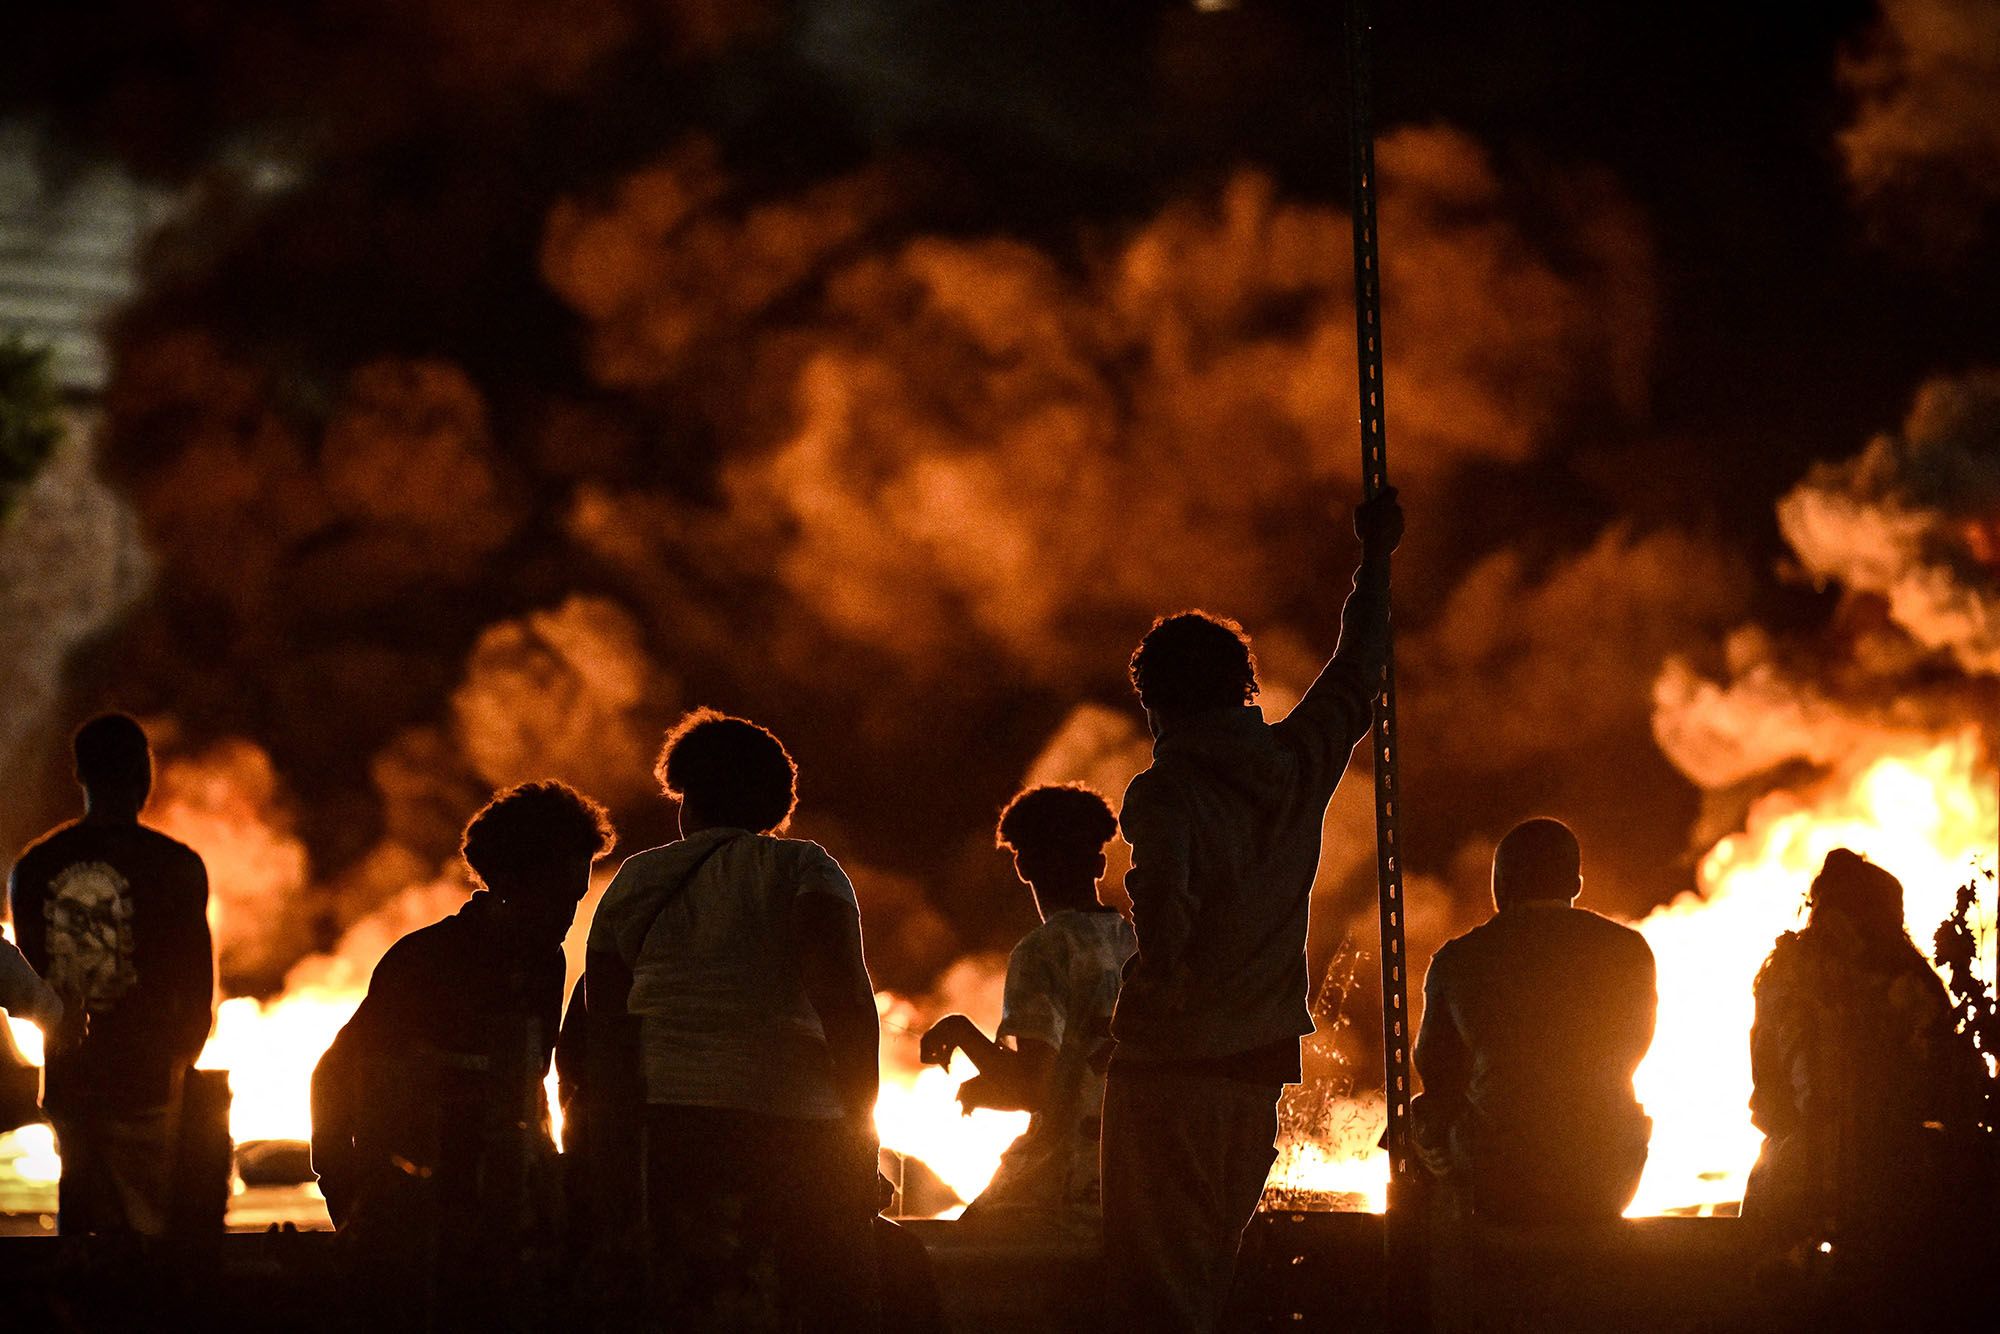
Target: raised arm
(1335, 712)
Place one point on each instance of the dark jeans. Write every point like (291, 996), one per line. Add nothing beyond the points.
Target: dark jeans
(758, 1222)
(117, 1168)
(1184, 1162)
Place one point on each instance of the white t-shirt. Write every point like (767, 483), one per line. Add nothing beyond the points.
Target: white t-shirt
(724, 1019)
(1062, 982)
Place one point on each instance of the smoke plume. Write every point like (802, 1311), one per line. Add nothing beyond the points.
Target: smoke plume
(1923, 150)
(1904, 530)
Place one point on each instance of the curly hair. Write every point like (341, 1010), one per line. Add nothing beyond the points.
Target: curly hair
(731, 770)
(1192, 661)
(1057, 819)
(535, 825)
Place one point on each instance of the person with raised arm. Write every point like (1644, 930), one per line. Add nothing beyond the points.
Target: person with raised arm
(1225, 830)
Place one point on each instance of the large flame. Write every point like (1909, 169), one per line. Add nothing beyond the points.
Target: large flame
(1927, 813)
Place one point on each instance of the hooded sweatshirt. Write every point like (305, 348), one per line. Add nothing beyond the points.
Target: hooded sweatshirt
(1225, 833)
(705, 928)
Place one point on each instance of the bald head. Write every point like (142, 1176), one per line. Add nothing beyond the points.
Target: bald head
(1539, 859)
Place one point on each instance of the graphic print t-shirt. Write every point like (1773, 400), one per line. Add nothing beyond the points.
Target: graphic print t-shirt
(1062, 981)
(116, 915)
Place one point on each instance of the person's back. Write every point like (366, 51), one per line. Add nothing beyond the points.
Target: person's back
(114, 916)
(1534, 1024)
(1257, 794)
(1048, 1056)
(1861, 1085)
(430, 1127)
(732, 1022)
(1076, 959)
(1225, 830)
(724, 1018)
(439, 1055)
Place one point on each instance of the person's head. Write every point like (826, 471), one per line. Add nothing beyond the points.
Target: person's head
(114, 764)
(1853, 888)
(532, 847)
(727, 773)
(1057, 834)
(1192, 662)
(1538, 860)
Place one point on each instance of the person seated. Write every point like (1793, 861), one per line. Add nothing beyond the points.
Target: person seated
(729, 1003)
(1533, 1027)
(1861, 1084)
(1055, 1020)
(430, 1127)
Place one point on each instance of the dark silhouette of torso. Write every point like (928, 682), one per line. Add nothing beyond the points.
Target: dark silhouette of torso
(441, 1067)
(116, 914)
(1534, 1024)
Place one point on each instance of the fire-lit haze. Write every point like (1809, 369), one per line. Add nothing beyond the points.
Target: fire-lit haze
(474, 385)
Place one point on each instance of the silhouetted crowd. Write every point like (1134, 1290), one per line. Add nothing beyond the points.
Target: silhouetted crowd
(717, 1062)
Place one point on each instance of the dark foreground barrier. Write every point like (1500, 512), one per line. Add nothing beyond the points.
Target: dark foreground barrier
(1323, 1271)
(1313, 1271)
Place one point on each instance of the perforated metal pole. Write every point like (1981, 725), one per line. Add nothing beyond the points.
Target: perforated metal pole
(1396, 1035)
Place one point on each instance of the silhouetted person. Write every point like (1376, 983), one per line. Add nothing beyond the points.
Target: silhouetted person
(1534, 1024)
(1861, 1086)
(430, 1125)
(728, 995)
(114, 916)
(1062, 980)
(1225, 833)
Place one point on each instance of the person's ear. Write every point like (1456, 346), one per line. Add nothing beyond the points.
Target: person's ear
(1103, 865)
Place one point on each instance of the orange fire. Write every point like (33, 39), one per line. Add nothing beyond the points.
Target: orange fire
(1926, 812)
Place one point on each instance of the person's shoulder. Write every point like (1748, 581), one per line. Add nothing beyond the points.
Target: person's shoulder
(811, 866)
(1050, 936)
(799, 852)
(1151, 789)
(647, 862)
(169, 848)
(1454, 951)
(1615, 934)
(48, 847)
(56, 841)
(418, 949)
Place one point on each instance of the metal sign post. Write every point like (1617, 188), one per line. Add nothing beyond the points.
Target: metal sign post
(1404, 1237)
